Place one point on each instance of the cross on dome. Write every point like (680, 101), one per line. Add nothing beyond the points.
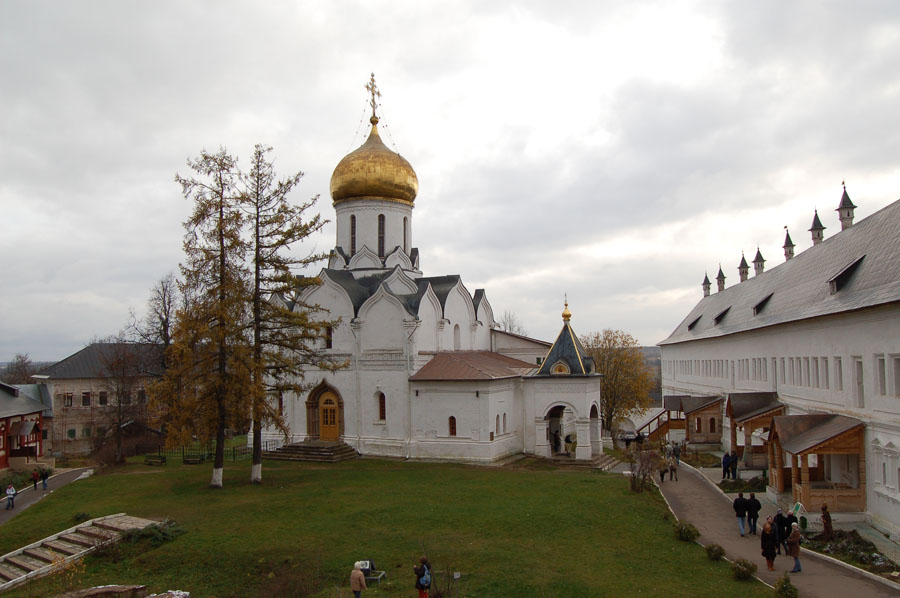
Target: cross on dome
(373, 90)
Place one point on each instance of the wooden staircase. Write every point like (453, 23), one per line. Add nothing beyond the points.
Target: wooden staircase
(49, 554)
(659, 426)
(313, 450)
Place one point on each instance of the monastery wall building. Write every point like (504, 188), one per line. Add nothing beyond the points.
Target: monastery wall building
(805, 358)
(430, 374)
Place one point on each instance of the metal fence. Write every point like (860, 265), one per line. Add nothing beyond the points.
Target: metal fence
(234, 453)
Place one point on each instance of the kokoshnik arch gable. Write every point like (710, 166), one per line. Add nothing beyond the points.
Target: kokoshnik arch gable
(430, 374)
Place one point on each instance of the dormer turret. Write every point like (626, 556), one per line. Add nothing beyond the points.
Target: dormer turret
(788, 245)
(720, 279)
(817, 230)
(759, 264)
(706, 285)
(743, 268)
(845, 210)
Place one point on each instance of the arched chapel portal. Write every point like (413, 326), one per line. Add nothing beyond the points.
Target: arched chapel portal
(324, 414)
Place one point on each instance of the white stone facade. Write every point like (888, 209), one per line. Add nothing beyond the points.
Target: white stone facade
(832, 347)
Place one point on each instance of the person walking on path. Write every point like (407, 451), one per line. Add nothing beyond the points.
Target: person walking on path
(734, 464)
(44, 475)
(10, 497)
(35, 476)
(663, 468)
(423, 577)
(793, 546)
(726, 465)
(357, 580)
(673, 468)
(676, 450)
(768, 543)
(740, 510)
(753, 507)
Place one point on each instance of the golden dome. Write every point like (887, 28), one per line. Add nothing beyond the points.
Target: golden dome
(374, 171)
(566, 314)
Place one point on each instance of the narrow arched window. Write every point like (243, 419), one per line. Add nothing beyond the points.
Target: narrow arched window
(497, 425)
(504, 423)
(451, 424)
(699, 424)
(405, 243)
(382, 407)
(381, 235)
(352, 234)
(456, 338)
(712, 425)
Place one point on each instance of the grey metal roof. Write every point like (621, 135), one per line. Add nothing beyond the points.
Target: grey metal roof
(747, 405)
(801, 433)
(93, 361)
(13, 402)
(800, 288)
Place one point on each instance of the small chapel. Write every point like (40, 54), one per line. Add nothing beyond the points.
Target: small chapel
(430, 374)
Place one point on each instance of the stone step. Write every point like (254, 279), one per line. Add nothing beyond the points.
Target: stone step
(63, 547)
(76, 538)
(9, 572)
(44, 554)
(98, 533)
(316, 452)
(25, 562)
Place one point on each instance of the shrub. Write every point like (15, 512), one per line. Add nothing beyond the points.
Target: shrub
(686, 532)
(742, 569)
(81, 517)
(157, 534)
(785, 589)
(715, 552)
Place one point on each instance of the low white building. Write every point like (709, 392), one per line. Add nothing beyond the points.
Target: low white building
(430, 375)
(817, 334)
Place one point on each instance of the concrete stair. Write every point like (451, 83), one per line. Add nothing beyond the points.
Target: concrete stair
(313, 450)
(47, 555)
(602, 462)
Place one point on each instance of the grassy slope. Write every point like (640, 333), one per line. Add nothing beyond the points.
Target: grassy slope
(510, 532)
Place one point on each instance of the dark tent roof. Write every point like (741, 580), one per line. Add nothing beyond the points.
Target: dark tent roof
(569, 350)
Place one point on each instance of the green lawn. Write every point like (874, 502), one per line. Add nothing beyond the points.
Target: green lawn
(510, 532)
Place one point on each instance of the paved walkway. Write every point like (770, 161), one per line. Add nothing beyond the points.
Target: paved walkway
(28, 496)
(694, 499)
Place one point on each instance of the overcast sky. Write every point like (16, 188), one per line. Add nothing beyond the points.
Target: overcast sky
(614, 151)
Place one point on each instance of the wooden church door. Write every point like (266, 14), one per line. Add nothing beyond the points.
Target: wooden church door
(328, 417)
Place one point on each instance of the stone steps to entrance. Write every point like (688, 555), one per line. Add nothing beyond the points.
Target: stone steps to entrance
(321, 452)
(47, 555)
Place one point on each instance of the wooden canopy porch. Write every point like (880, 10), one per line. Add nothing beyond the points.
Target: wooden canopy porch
(748, 412)
(826, 461)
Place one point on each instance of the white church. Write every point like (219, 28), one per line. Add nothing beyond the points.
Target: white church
(430, 374)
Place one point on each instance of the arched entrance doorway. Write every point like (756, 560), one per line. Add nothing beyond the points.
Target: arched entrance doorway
(329, 428)
(555, 433)
(596, 439)
(324, 414)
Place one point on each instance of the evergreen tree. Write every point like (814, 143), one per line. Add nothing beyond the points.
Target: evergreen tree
(284, 334)
(209, 362)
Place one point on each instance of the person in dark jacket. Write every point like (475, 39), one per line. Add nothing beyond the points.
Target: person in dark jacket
(740, 510)
(769, 544)
(753, 507)
(779, 524)
(423, 584)
(726, 465)
(734, 464)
